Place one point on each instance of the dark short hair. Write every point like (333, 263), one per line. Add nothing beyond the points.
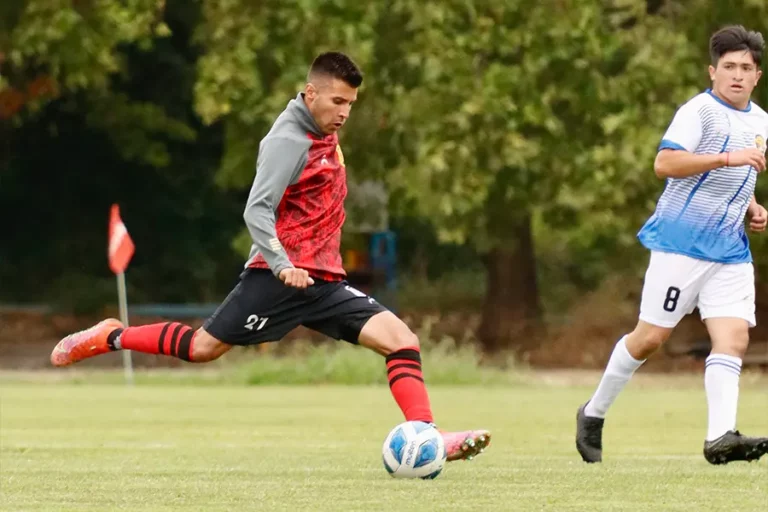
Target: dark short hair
(336, 65)
(734, 38)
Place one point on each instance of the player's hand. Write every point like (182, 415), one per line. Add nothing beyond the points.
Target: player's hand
(296, 277)
(758, 217)
(749, 156)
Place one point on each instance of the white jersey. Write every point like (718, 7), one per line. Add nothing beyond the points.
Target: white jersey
(702, 216)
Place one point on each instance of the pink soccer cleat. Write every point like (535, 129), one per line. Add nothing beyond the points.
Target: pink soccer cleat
(465, 445)
(84, 344)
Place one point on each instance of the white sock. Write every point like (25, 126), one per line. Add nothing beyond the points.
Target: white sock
(721, 381)
(620, 369)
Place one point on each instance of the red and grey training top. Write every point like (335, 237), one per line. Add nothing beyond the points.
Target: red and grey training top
(295, 210)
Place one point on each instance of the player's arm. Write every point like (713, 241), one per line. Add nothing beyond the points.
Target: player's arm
(677, 158)
(280, 160)
(679, 163)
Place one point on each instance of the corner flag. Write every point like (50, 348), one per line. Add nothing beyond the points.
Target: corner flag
(120, 252)
(120, 244)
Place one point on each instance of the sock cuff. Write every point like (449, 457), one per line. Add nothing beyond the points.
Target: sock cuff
(725, 361)
(183, 348)
(725, 357)
(113, 340)
(621, 346)
(407, 354)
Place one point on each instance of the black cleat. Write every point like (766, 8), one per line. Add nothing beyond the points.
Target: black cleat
(589, 436)
(733, 446)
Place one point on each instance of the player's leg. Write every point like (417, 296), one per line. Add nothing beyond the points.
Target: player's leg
(171, 339)
(254, 312)
(343, 312)
(727, 306)
(629, 353)
(671, 286)
(388, 336)
(168, 338)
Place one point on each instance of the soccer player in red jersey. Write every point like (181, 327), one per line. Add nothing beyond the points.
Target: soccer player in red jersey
(294, 275)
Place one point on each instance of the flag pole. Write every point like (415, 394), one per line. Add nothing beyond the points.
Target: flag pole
(120, 251)
(123, 300)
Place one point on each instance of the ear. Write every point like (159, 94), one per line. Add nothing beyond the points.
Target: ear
(711, 72)
(310, 91)
(759, 74)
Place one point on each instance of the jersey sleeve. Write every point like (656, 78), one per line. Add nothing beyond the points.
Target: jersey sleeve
(685, 130)
(279, 163)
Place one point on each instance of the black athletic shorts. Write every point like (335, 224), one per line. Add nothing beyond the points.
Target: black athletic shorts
(261, 308)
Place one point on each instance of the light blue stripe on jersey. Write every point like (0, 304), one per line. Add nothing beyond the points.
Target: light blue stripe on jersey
(702, 216)
(728, 105)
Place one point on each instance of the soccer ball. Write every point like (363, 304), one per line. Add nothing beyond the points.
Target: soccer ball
(414, 449)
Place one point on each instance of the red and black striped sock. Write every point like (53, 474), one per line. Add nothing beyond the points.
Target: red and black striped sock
(170, 339)
(407, 384)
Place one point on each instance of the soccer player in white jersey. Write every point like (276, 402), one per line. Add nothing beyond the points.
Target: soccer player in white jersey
(710, 157)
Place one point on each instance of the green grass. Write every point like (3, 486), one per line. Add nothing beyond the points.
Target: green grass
(66, 447)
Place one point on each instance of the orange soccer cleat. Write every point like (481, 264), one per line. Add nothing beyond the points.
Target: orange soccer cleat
(84, 344)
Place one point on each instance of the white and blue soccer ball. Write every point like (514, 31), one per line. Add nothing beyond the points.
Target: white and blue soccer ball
(414, 449)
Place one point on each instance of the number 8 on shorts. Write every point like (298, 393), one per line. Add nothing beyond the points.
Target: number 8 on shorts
(676, 284)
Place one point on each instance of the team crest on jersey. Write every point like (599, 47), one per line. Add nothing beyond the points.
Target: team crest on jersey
(760, 143)
(340, 155)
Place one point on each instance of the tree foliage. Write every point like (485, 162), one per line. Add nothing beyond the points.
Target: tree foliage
(55, 49)
(524, 130)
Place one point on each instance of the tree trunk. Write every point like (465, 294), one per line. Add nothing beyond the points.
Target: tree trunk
(512, 311)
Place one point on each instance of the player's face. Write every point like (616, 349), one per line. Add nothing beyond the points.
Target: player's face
(735, 77)
(329, 101)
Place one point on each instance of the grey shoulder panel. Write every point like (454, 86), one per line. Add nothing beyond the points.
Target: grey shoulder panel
(282, 157)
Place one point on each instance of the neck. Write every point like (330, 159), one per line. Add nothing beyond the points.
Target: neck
(318, 130)
(305, 115)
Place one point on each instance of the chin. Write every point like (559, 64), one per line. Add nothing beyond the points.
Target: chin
(736, 97)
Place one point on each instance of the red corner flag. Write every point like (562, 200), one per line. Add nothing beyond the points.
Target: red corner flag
(120, 244)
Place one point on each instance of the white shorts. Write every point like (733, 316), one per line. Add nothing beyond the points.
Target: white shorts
(675, 285)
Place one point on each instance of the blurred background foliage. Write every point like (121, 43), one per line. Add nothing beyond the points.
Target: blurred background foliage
(515, 139)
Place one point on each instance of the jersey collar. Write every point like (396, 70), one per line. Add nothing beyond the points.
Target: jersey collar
(725, 103)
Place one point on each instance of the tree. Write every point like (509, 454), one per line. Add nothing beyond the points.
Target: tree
(56, 49)
(521, 113)
(126, 135)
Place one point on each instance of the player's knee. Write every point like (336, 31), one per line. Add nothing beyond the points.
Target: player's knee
(642, 343)
(728, 336)
(206, 348)
(404, 338)
(740, 344)
(651, 344)
(384, 333)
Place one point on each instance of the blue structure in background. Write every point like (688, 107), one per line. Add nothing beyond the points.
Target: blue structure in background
(383, 257)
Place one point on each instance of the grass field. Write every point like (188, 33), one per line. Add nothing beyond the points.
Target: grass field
(80, 447)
